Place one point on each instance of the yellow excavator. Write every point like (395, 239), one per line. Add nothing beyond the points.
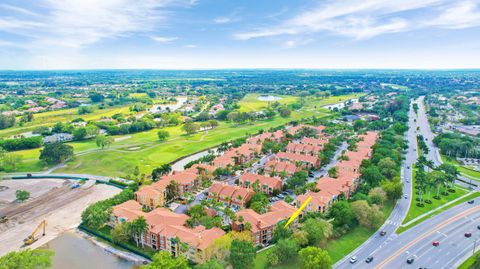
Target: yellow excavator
(31, 238)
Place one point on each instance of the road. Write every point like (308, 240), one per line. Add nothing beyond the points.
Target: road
(433, 151)
(447, 227)
(399, 211)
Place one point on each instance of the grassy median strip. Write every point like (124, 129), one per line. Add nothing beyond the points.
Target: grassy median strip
(434, 213)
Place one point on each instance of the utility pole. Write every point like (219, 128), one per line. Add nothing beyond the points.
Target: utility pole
(474, 246)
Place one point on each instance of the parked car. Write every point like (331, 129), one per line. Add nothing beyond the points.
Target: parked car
(478, 227)
(353, 259)
(436, 243)
(405, 196)
(468, 234)
(369, 259)
(410, 260)
(383, 233)
(471, 201)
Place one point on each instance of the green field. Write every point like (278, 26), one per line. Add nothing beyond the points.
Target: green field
(416, 211)
(465, 171)
(434, 213)
(144, 149)
(49, 118)
(337, 249)
(251, 103)
(469, 262)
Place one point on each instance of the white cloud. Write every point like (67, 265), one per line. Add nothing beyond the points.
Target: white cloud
(79, 23)
(223, 20)
(368, 18)
(190, 46)
(164, 39)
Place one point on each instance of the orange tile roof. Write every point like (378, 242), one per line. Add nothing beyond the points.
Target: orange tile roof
(130, 210)
(272, 182)
(278, 212)
(279, 166)
(222, 189)
(297, 157)
(182, 178)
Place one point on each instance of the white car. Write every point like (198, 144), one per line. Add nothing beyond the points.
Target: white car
(353, 259)
(405, 196)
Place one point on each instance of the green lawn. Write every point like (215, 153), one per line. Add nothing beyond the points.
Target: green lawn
(416, 211)
(462, 200)
(144, 149)
(337, 248)
(462, 169)
(251, 103)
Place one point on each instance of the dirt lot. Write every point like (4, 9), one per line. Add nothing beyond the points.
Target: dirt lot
(36, 187)
(60, 206)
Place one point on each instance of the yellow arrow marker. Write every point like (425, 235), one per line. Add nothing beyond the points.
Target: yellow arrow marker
(296, 213)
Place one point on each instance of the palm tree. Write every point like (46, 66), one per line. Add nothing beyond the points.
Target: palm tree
(137, 227)
(429, 184)
(165, 169)
(439, 179)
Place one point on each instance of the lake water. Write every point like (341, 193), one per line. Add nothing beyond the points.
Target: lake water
(73, 251)
(340, 105)
(171, 107)
(268, 98)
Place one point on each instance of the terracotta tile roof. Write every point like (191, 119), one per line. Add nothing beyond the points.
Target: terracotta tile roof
(297, 157)
(314, 141)
(222, 189)
(278, 212)
(182, 178)
(129, 210)
(294, 129)
(272, 182)
(276, 136)
(302, 148)
(208, 168)
(223, 161)
(279, 167)
(170, 224)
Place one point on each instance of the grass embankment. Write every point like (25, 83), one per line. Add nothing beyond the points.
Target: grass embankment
(469, 262)
(415, 211)
(337, 248)
(464, 171)
(144, 149)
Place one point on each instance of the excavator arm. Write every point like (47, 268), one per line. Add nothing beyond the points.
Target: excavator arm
(31, 238)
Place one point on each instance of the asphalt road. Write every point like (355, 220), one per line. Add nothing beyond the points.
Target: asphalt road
(448, 227)
(400, 210)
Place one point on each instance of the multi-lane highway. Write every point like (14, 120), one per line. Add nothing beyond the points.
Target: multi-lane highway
(448, 227)
(399, 211)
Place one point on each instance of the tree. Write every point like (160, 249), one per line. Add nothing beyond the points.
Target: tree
(165, 260)
(438, 179)
(136, 228)
(259, 203)
(342, 214)
(9, 161)
(242, 254)
(79, 134)
(297, 179)
(286, 249)
(22, 195)
(314, 258)
(164, 169)
(394, 188)
(280, 232)
(120, 233)
(96, 97)
(387, 167)
(103, 141)
(27, 259)
(377, 195)
(332, 172)
(359, 124)
(55, 153)
(284, 112)
(368, 216)
(372, 175)
(190, 127)
(163, 135)
(173, 190)
(317, 230)
(211, 264)
(6, 121)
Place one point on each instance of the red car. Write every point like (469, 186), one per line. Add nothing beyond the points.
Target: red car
(436, 243)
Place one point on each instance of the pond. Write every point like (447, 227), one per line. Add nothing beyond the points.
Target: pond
(268, 98)
(76, 252)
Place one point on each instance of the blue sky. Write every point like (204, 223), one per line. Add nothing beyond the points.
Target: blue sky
(193, 34)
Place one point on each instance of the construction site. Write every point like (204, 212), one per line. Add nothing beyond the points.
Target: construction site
(55, 206)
